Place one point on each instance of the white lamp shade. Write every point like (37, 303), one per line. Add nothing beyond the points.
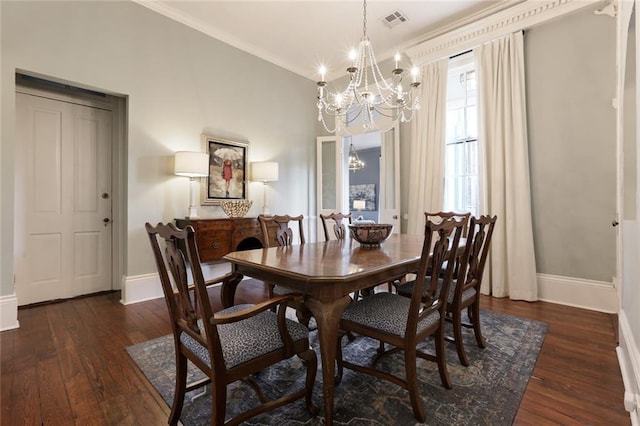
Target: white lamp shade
(359, 204)
(264, 171)
(191, 164)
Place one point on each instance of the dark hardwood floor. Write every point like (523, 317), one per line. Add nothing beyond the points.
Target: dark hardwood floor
(66, 364)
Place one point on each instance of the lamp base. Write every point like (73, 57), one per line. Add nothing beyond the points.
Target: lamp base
(193, 212)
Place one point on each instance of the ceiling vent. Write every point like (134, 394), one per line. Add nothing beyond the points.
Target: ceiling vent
(393, 19)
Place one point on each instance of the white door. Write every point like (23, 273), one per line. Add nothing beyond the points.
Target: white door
(331, 184)
(63, 199)
(390, 179)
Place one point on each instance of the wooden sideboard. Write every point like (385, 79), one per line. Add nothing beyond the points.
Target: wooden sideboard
(217, 237)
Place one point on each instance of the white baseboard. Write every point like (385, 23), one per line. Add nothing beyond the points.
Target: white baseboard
(587, 294)
(148, 287)
(629, 359)
(140, 288)
(9, 312)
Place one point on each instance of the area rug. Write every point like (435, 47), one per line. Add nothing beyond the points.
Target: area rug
(487, 392)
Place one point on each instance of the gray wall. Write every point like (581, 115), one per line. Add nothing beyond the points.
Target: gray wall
(179, 83)
(570, 74)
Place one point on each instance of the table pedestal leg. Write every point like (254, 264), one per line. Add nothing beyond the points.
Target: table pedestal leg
(327, 315)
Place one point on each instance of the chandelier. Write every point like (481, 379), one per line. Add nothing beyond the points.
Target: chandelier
(368, 95)
(355, 163)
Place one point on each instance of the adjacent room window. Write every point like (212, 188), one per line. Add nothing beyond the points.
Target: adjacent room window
(461, 172)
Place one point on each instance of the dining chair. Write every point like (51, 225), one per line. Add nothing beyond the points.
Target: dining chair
(228, 345)
(277, 232)
(403, 322)
(438, 216)
(339, 228)
(464, 291)
(447, 215)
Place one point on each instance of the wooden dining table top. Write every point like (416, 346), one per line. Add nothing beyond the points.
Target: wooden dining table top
(327, 270)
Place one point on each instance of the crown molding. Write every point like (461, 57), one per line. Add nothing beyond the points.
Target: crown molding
(466, 20)
(519, 17)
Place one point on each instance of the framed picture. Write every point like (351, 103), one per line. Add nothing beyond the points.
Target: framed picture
(366, 193)
(227, 170)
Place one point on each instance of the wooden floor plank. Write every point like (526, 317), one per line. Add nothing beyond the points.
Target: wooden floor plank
(72, 355)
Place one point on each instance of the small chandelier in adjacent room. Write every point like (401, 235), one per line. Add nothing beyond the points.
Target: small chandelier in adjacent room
(355, 163)
(368, 95)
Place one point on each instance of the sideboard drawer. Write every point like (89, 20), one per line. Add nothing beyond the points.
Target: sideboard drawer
(212, 243)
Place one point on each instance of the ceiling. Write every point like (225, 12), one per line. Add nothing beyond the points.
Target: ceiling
(301, 35)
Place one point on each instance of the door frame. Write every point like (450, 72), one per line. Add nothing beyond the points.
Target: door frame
(382, 125)
(341, 170)
(52, 89)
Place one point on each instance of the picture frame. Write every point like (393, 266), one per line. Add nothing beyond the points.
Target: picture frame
(228, 170)
(365, 192)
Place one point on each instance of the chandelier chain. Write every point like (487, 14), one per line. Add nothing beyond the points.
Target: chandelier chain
(364, 20)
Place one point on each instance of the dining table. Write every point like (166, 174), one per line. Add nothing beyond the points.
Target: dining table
(327, 273)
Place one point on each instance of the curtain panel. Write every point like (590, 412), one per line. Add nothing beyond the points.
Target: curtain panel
(504, 168)
(426, 181)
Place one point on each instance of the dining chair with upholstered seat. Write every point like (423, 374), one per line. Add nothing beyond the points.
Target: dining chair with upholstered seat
(228, 345)
(438, 216)
(339, 229)
(464, 291)
(277, 232)
(403, 322)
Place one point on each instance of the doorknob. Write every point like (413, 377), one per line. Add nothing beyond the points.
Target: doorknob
(395, 217)
(106, 221)
(614, 223)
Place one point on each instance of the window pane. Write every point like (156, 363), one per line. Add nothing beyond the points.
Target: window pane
(329, 199)
(461, 156)
(455, 87)
(472, 122)
(455, 125)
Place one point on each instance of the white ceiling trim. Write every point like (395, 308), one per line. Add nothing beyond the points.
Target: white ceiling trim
(516, 18)
(462, 22)
(225, 37)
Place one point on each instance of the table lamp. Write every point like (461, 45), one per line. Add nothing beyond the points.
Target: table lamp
(192, 165)
(264, 171)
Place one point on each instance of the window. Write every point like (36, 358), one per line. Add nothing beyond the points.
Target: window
(461, 168)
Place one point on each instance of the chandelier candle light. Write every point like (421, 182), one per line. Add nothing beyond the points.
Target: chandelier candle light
(368, 93)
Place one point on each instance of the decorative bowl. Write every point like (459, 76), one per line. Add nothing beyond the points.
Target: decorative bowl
(370, 234)
(235, 208)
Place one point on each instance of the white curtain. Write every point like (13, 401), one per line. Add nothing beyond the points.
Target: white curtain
(426, 181)
(504, 168)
